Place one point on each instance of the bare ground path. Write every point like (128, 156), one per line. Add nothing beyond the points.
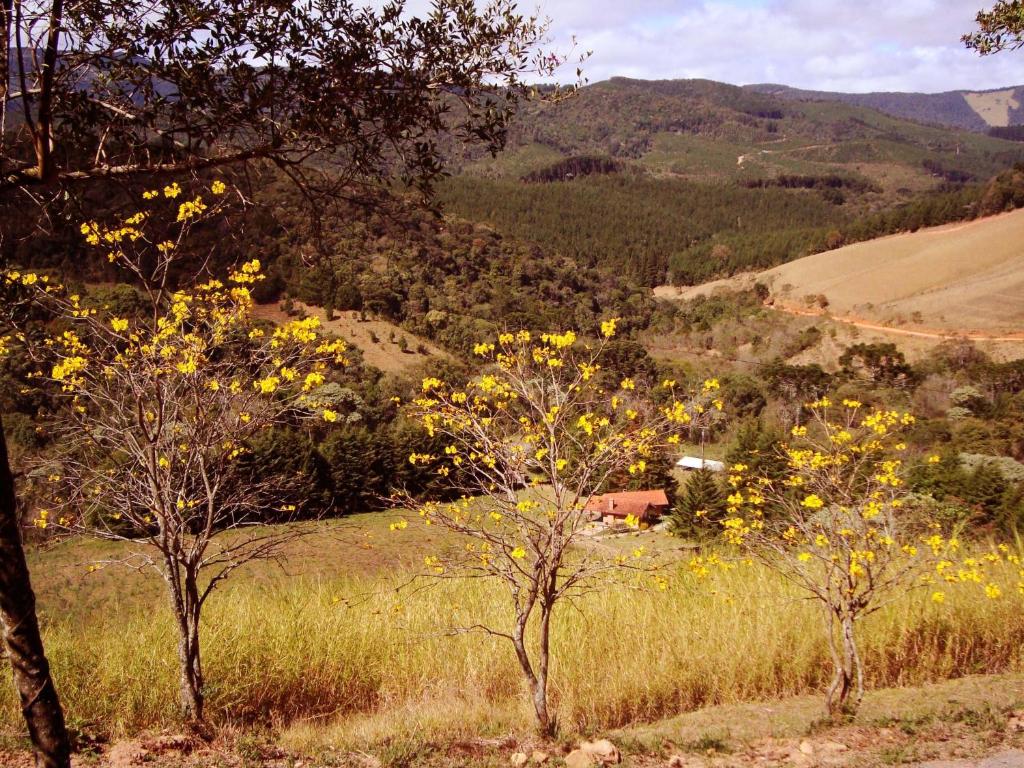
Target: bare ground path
(921, 333)
(972, 722)
(1013, 758)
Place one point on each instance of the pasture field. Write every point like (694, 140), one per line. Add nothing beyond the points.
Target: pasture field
(916, 289)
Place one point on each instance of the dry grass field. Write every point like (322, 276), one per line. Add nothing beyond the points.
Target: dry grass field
(993, 106)
(916, 289)
(372, 337)
(339, 650)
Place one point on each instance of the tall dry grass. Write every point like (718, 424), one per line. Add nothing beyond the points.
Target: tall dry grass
(378, 662)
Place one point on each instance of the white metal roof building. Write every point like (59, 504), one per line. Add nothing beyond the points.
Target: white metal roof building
(695, 462)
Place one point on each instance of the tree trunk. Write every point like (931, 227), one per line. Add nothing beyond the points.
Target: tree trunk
(39, 702)
(546, 723)
(186, 605)
(848, 677)
(838, 689)
(852, 654)
(191, 672)
(537, 683)
(44, 135)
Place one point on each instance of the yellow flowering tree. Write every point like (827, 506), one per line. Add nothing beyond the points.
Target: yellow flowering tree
(155, 413)
(527, 444)
(842, 527)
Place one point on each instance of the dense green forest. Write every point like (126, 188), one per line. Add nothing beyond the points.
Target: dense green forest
(640, 225)
(658, 230)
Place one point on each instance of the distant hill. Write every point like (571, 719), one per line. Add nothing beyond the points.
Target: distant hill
(967, 110)
(704, 130)
(686, 180)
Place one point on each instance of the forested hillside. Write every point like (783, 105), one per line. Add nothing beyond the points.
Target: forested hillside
(701, 129)
(687, 180)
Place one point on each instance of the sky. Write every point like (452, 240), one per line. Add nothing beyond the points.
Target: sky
(836, 45)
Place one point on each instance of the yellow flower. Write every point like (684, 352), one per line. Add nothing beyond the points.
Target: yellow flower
(190, 209)
(313, 380)
(992, 591)
(218, 187)
(518, 553)
(483, 349)
(330, 415)
(813, 501)
(938, 597)
(267, 385)
(118, 324)
(608, 327)
(934, 459)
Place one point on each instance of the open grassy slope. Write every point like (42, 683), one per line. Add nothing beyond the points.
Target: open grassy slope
(372, 337)
(967, 278)
(958, 279)
(341, 646)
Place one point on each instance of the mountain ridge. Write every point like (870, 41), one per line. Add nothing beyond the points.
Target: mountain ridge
(967, 109)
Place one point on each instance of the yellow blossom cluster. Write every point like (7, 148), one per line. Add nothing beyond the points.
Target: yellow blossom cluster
(837, 517)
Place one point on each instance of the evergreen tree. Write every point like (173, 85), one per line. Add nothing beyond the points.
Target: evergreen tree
(985, 487)
(700, 508)
(1010, 517)
(758, 448)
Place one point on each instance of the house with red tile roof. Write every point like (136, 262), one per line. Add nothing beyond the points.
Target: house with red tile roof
(645, 506)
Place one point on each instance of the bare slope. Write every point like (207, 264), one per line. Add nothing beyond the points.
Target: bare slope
(376, 339)
(962, 278)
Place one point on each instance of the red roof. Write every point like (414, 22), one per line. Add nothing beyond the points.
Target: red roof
(637, 503)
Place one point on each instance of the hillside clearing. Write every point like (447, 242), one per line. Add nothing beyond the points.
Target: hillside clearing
(377, 339)
(961, 280)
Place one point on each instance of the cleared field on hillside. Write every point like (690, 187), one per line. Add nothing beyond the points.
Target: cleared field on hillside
(967, 278)
(372, 337)
(961, 279)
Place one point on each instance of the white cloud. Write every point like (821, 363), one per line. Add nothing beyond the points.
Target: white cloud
(909, 45)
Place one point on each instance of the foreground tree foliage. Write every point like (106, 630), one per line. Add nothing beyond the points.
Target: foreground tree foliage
(111, 89)
(842, 528)
(528, 444)
(999, 29)
(156, 411)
